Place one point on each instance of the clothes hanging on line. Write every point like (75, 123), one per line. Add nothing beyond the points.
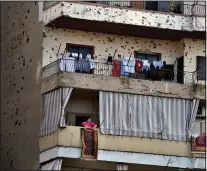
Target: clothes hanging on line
(67, 64)
(116, 68)
(124, 67)
(131, 64)
(139, 65)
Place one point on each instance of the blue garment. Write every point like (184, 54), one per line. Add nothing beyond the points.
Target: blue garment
(160, 64)
(123, 69)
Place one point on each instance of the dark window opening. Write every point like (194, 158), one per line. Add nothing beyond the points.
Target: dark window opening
(80, 119)
(80, 49)
(201, 67)
(149, 57)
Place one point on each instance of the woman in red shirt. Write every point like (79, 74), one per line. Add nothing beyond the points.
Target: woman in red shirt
(89, 124)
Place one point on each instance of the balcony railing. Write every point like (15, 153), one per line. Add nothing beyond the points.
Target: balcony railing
(116, 69)
(159, 6)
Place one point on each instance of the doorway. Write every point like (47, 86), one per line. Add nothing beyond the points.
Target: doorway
(180, 69)
(80, 119)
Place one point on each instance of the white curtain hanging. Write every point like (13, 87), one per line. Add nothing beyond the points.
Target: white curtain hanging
(146, 116)
(66, 93)
(51, 112)
(122, 167)
(54, 104)
(67, 64)
(53, 165)
(192, 117)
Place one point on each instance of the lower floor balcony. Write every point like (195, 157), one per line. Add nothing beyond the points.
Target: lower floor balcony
(131, 129)
(89, 148)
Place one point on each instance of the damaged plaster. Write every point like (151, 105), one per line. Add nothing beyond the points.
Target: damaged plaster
(124, 16)
(21, 51)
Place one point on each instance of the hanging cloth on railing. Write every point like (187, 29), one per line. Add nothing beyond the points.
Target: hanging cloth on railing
(66, 94)
(67, 64)
(53, 165)
(122, 167)
(54, 104)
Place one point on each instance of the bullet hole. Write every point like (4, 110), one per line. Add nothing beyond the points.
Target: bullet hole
(18, 91)
(21, 88)
(53, 49)
(11, 163)
(16, 122)
(22, 78)
(17, 111)
(25, 17)
(44, 34)
(23, 63)
(28, 11)
(55, 39)
(9, 7)
(27, 40)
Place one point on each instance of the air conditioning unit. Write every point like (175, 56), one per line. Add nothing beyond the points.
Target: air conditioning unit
(201, 113)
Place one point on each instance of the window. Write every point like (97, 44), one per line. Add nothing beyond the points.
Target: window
(80, 49)
(80, 119)
(201, 67)
(149, 57)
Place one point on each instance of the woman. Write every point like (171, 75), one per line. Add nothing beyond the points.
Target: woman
(89, 124)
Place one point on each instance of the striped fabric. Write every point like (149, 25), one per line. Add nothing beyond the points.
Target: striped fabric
(53, 110)
(67, 64)
(146, 116)
(53, 165)
(122, 167)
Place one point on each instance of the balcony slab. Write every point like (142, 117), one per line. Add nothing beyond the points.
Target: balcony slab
(121, 85)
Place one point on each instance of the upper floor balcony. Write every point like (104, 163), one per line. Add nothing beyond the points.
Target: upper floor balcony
(126, 78)
(133, 18)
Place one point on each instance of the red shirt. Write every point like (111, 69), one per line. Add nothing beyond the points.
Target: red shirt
(88, 124)
(116, 68)
(139, 65)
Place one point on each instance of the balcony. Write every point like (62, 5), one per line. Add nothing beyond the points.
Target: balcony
(165, 6)
(139, 19)
(107, 77)
(71, 137)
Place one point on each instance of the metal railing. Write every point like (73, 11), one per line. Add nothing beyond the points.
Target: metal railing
(176, 7)
(123, 71)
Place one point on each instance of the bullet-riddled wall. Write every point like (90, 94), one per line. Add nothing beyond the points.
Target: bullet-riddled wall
(21, 57)
(106, 44)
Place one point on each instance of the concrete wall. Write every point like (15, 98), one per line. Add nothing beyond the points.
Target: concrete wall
(21, 57)
(71, 137)
(193, 48)
(105, 44)
(122, 15)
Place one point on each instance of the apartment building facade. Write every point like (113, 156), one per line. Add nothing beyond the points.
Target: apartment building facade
(138, 70)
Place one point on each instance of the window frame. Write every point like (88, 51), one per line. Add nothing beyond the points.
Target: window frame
(68, 45)
(200, 77)
(152, 53)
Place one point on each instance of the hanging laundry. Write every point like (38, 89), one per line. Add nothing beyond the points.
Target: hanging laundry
(131, 64)
(160, 64)
(139, 65)
(85, 65)
(109, 60)
(155, 63)
(67, 64)
(116, 68)
(146, 65)
(124, 66)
